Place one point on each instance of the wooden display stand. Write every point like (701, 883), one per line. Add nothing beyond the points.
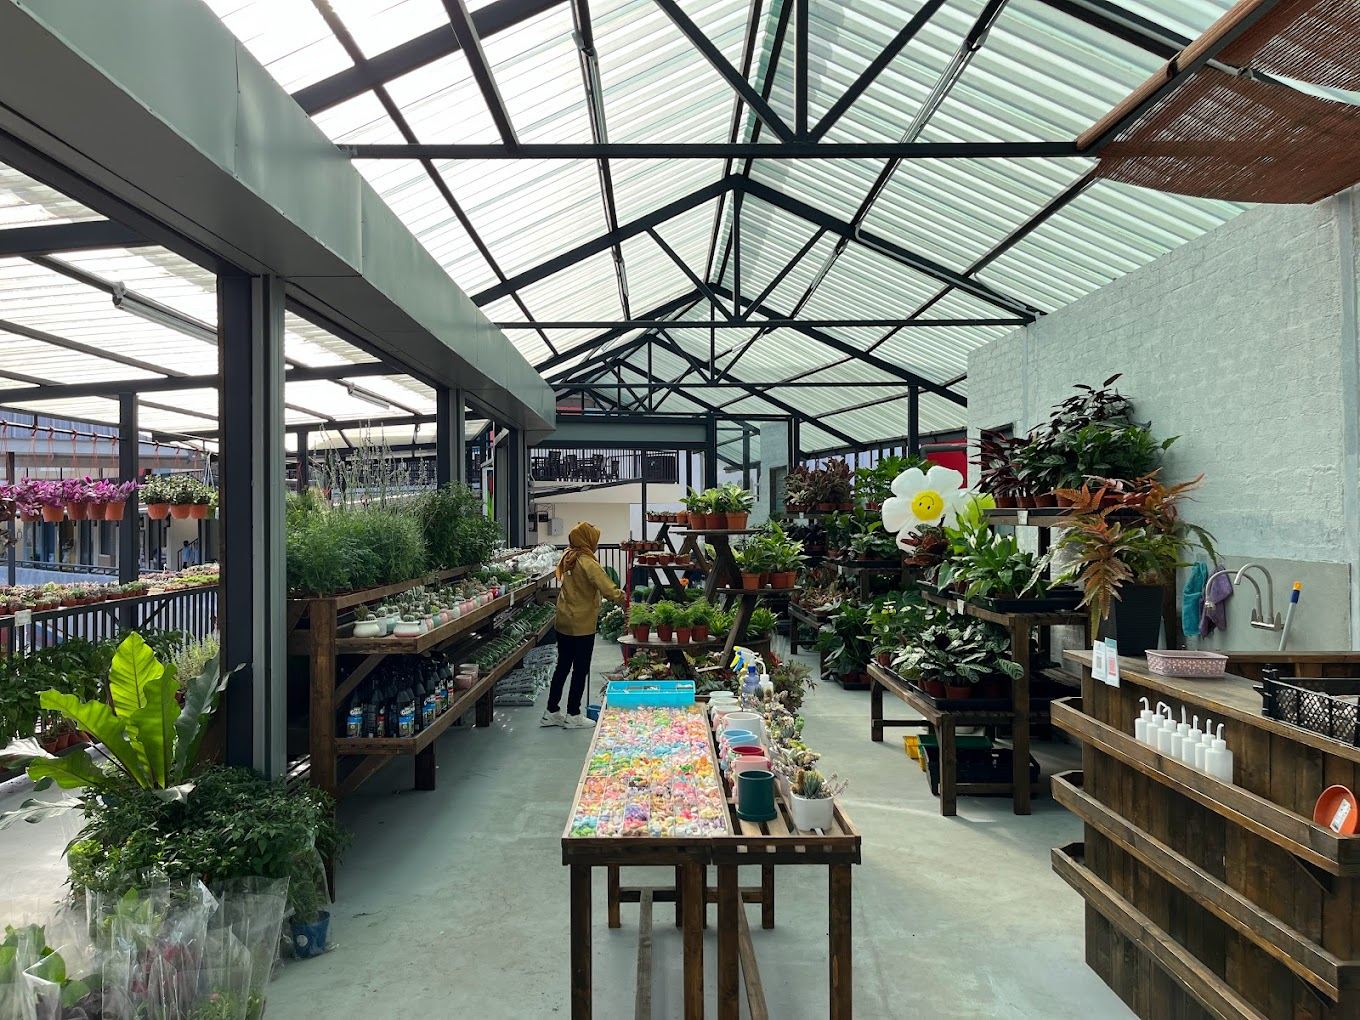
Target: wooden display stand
(339, 662)
(767, 844)
(1207, 898)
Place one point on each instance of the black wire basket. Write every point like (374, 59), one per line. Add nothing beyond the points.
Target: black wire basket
(1322, 706)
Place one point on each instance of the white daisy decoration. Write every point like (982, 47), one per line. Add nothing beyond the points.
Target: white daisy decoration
(922, 498)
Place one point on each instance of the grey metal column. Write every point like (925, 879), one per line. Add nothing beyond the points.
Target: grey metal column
(251, 601)
(711, 454)
(517, 486)
(304, 471)
(745, 457)
(642, 476)
(914, 420)
(11, 554)
(130, 528)
(450, 461)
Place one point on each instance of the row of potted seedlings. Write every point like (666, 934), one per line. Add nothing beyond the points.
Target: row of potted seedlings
(423, 608)
(724, 508)
(770, 559)
(41, 598)
(692, 622)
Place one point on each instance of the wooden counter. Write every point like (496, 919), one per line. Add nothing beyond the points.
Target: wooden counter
(1206, 898)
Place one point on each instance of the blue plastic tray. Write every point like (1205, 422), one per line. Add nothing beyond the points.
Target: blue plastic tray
(647, 693)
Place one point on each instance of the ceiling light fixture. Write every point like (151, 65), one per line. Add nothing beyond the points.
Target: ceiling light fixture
(366, 397)
(153, 311)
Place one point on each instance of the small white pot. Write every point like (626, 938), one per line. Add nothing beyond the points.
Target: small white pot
(812, 814)
(391, 622)
(369, 628)
(412, 628)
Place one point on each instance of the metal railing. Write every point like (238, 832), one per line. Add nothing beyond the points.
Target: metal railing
(604, 466)
(192, 610)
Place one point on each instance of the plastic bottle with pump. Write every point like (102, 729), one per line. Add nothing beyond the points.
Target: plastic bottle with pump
(1205, 742)
(1192, 741)
(1167, 731)
(1218, 760)
(1140, 725)
(1179, 738)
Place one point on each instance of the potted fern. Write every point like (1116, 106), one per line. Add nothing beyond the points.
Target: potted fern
(640, 620)
(684, 624)
(665, 613)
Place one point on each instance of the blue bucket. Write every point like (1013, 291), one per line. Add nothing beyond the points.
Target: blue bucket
(309, 940)
(593, 712)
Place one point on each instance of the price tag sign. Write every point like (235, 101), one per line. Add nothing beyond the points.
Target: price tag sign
(23, 617)
(1022, 517)
(1098, 660)
(1339, 819)
(1111, 662)
(958, 607)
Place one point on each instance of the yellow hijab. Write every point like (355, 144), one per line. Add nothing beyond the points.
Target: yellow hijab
(581, 542)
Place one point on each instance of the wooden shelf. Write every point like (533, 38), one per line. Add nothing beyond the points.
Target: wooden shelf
(628, 641)
(716, 531)
(440, 635)
(857, 566)
(460, 705)
(1323, 970)
(1051, 619)
(1211, 991)
(767, 590)
(347, 600)
(1301, 836)
(922, 702)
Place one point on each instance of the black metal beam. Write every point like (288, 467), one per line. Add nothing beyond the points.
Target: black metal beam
(801, 58)
(603, 243)
(883, 246)
(875, 68)
(714, 56)
(914, 420)
(699, 284)
(1131, 28)
(753, 324)
(748, 385)
(715, 150)
(673, 306)
(129, 530)
(471, 44)
(418, 52)
(51, 238)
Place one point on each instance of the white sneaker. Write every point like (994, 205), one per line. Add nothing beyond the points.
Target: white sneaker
(578, 722)
(553, 719)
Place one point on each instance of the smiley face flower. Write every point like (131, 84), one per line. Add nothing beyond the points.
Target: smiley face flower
(922, 498)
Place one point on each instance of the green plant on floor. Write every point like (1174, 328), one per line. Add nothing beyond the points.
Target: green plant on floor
(762, 623)
(845, 639)
(147, 740)
(958, 652)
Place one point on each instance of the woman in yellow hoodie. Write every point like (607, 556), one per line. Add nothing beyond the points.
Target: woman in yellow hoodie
(582, 582)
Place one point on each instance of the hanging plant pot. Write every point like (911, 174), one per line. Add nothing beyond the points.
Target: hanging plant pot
(77, 511)
(96, 511)
(158, 511)
(30, 516)
(181, 511)
(52, 514)
(198, 511)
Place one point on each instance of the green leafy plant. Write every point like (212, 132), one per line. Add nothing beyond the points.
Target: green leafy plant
(665, 613)
(845, 639)
(347, 549)
(958, 652)
(640, 613)
(874, 484)
(1103, 450)
(762, 623)
(731, 498)
(148, 741)
(456, 529)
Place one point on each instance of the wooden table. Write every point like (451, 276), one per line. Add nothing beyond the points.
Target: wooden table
(767, 844)
(1206, 898)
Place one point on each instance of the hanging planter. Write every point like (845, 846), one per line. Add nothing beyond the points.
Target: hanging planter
(114, 511)
(52, 514)
(198, 511)
(181, 511)
(158, 511)
(77, 511)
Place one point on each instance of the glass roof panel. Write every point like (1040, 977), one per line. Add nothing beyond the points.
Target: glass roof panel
(25, 202)
(288, 37)
(379, 25)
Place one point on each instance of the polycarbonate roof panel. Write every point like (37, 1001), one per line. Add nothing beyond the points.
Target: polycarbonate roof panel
(25, 202)
(289, 37)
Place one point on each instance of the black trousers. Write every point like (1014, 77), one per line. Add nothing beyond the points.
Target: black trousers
(573, 656)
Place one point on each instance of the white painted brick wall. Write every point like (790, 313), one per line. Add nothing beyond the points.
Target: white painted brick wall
(1233, 343)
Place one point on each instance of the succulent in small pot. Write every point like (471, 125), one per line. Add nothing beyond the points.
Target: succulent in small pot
(813, 799)
(366, 625)
(409, 626)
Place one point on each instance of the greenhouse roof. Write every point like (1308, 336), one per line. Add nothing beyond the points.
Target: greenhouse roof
(511, 101)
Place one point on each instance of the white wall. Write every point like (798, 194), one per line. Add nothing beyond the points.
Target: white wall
(1242, 342)
(615, 510)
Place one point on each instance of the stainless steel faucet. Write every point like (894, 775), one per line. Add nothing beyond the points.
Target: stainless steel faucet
(1259, 617)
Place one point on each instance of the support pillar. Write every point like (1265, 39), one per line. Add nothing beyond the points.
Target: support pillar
(130, 527)
(450, 461)
(304, 471)
(517, 486)
(711, 453)
(914, 420)
(252, 597)
(642, 476)
(746, 457)
(12, 553)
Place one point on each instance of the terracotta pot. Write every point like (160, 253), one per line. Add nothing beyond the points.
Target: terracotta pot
(52, 514)
(113, 511)
(750, 582)
(682, 517)
(181, 511)
(665, 632)
(30, 517)
(664, 559)
(846, 507)
(783, 579)
(199, 511)
(958, 693)
(158, 511)
(826, 508)
(934, 688)
(1064, 501)
(52, 746)
(885, 659)
(1006, 502)
(700, 632)
(641, 631)
(994, 688)
(77, 511)
(873, 506)
(683, 635)
(1047, 499)
(96, 511)
(1025, 501)
(737, 522)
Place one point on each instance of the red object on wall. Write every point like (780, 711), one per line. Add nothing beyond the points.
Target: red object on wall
(949, 455)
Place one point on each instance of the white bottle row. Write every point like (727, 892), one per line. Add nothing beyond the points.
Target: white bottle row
(1184, 741)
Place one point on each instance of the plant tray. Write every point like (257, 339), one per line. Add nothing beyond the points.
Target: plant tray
(1327, 706)
(977, 765)
(648, 693)
(1055, 602)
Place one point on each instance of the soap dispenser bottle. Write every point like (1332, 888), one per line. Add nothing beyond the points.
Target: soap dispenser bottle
(1167, 731)
(1218, 760)
(1205, 742)
(1178, 737)
(1140, 725)
(1191, 744)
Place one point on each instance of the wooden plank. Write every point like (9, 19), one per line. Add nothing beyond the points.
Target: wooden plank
(614, 920)
(1019, 629)
(729, 975)
(695, 909)
(581, 992)
(363, 772)
(839, 954)
(1295, 950)
(321, 721)
(1209, 989)
(425, 769)
(767, 908)
(750, 972)
(357, 676)
(642, 1001)
(1337, 855)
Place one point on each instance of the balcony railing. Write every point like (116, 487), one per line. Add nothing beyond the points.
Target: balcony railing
(604, 467)
(192, 610)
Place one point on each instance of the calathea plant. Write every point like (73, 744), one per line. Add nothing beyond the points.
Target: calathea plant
(147, 739)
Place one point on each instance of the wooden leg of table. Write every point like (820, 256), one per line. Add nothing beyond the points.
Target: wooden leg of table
(486, 708)
(703, 890)
(580, 942)
(793, 635)
(767, 896)
(642, 1002)
(729, 934)
(425, 769)
(679, 896)
(614, 921)
(949, 766)
(694, 942)
(1020, 728)
(875, 711)
(839, 901)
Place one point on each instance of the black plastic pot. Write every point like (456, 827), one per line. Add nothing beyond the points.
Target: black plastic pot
(1135, 620)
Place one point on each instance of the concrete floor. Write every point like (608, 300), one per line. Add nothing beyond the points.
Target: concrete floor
(455, 902)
